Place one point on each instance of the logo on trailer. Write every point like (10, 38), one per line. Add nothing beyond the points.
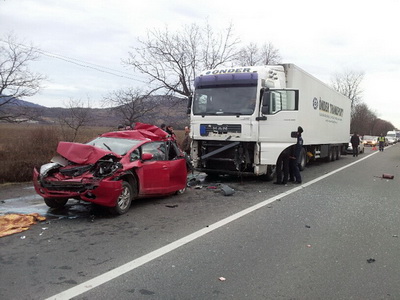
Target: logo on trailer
(315, 103)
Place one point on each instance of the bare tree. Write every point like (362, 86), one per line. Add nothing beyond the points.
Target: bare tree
(16, 80)
(348, 84)
(252, 55)
(130, 104)
(362, 119)
(74, 117)
(381, 127)
(171, 60)
(270, 55)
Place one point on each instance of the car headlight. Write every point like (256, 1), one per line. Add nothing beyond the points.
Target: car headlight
(44, 169)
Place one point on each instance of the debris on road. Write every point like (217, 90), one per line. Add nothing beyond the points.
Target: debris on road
(226, 190)
(370, 260)
(196, 179)
(171, 205)
(222, 279)
(385, 176)
(16, 223)
(388, 176)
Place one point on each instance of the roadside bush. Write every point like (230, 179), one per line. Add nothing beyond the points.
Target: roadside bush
(26, 150)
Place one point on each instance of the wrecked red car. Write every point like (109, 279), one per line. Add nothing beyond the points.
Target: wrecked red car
(114, 169)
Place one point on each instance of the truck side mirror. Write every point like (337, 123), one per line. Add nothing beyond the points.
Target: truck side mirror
(293, 134)
(189, 105)
(265, 103)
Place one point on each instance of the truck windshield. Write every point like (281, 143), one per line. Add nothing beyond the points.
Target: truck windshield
(225, 100)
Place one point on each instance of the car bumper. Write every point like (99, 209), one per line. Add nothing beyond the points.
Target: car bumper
(99, 191)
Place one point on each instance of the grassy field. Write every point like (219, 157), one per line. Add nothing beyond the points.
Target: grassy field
(25, 146)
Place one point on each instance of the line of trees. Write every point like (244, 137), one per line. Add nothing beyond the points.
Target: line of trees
(364, 121)
(170, 60)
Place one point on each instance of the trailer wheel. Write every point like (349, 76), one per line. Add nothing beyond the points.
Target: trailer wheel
(337, 152)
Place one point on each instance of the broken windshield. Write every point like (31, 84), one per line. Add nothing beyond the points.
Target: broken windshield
(225, 100)
(116, 145)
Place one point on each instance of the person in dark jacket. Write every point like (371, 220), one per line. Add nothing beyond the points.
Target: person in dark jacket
(296, 157)
(355, 142)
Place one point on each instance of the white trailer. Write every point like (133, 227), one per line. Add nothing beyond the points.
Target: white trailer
(242, 118)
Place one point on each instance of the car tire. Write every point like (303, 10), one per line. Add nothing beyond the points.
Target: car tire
(124, 200)
(55, 202)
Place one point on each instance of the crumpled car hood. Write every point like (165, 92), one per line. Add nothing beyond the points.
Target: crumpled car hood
(81, 153)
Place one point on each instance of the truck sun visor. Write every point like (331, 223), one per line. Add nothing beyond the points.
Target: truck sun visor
(247, 79)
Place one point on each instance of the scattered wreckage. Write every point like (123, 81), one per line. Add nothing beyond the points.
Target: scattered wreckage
(114, 169)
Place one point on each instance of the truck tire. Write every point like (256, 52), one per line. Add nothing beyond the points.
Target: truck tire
(271, 171)
(303, 159)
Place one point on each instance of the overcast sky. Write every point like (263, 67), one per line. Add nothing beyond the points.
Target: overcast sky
(85, 40)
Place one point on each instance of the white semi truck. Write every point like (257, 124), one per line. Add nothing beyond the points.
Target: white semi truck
(243, 118)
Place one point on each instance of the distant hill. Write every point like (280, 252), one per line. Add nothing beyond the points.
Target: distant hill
(170, 110)
(18, 102)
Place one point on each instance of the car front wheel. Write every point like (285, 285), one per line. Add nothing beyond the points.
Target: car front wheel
(55, 202)
(124, 200)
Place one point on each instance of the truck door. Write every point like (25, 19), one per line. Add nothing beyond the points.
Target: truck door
(279, 116)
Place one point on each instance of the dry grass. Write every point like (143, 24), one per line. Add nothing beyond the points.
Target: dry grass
(25, 146)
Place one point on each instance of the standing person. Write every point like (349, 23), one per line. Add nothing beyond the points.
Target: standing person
(355, 142)
(282, 166)
(381, 141)
(163, 126)
(170, 131)
(295, 158)
(187, 141)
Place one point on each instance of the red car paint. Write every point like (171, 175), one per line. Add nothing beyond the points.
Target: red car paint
(95, 174)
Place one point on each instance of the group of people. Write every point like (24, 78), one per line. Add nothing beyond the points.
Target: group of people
(185, 146)
(287, 166)
(355, 142)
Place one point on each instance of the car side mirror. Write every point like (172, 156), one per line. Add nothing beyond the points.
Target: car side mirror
(147, 156)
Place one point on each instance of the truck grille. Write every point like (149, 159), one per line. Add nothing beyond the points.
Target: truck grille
(205, 129)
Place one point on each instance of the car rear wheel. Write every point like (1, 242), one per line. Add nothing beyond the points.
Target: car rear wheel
(125, 199)
(55, 202)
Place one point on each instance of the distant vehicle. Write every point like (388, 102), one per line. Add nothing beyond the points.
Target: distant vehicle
(369, 140)
(391, 137)
(361, 147)
(114, 169)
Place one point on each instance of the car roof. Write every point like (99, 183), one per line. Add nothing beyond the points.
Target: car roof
(141, 131)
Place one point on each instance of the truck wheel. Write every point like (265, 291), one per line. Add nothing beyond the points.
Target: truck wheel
(303, 159)
(271, 171)
(125, 198)
(55, 202)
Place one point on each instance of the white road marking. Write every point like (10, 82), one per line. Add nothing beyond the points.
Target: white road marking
(110, 275)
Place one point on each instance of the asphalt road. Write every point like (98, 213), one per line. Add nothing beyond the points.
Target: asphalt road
(336, 236)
